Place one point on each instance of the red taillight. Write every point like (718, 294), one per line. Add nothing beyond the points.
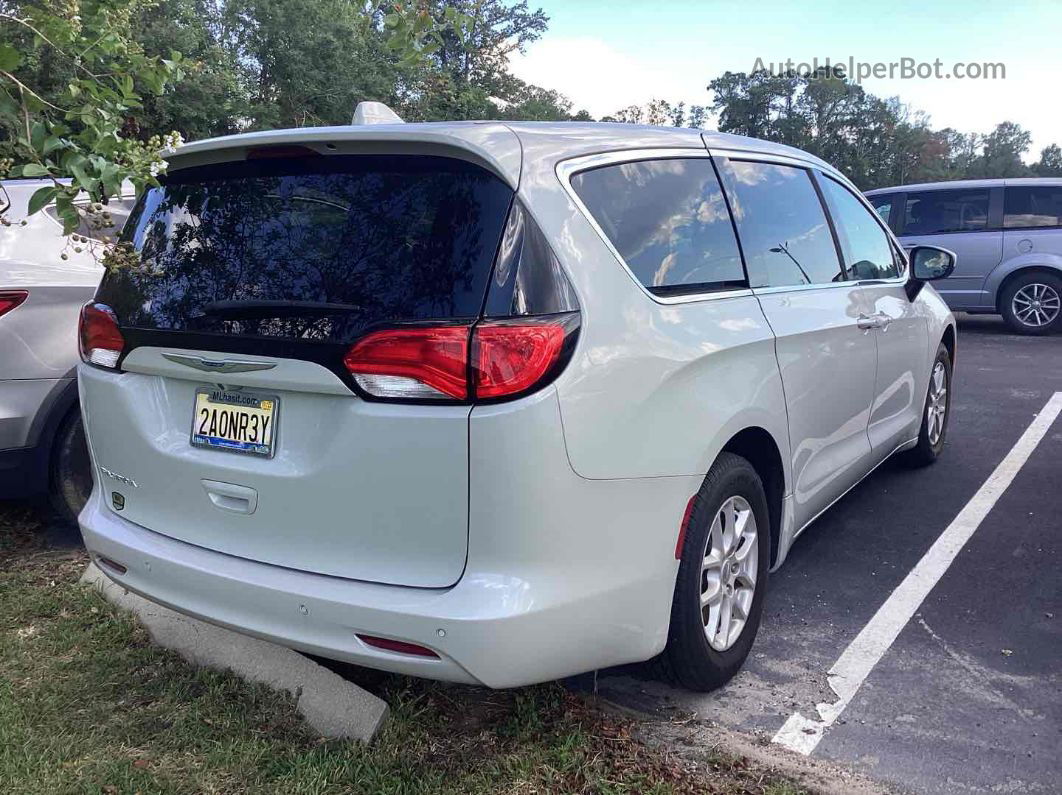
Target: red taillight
(9, 299)
(511, 357)
(508, 357)
(401, 646)
(101, 341)
(413, 363)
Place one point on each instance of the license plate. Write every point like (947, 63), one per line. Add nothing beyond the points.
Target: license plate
(242, 422)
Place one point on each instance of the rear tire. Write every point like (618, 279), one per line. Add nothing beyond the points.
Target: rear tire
(1032, 303)
(698, 656)
(71, 470)
(934, 429)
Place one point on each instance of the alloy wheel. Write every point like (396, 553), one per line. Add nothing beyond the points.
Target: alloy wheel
(1036, 304)
(728, 572)
(938, 403)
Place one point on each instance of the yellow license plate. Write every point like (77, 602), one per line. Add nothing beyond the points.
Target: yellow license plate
(242, 422)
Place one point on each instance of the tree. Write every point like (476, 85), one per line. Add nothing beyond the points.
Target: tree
(308, 62)
(209, 100)
(1050, 162)
(1002, 152)
(71, 86)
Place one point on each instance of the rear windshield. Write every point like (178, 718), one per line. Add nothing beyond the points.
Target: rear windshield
(314, 248)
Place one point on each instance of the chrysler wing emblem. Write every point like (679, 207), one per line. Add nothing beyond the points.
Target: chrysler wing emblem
(218, 365)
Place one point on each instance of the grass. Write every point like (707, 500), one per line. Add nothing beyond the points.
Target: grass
(88, 704)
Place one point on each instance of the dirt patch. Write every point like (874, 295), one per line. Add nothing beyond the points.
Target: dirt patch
(696, 739)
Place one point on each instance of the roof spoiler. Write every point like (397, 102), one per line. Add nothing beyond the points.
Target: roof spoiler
(374, 113)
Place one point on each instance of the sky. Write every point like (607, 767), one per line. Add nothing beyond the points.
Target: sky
(607, 55)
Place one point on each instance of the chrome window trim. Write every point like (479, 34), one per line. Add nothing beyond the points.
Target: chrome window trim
(566, 169)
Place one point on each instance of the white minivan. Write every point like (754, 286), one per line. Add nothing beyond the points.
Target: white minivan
(497, 403)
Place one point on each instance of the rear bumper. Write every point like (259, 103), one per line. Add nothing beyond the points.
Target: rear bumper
(488, 629)
(30, 411)
(564, 574)
(23, 473)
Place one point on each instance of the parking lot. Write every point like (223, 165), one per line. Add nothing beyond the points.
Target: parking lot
(969, 695)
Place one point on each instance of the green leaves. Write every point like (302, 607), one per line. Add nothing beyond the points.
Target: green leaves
(41, 197)
(9, 58)
(70, 89)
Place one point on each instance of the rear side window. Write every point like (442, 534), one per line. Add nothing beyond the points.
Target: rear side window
(937, 211)
(315, 248)
(783, 228)
(882, 206)
(668, 220)
(1027, 207)
(867, 251)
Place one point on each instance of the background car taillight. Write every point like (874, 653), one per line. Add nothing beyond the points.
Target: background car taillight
(100, 339)
(9, 299)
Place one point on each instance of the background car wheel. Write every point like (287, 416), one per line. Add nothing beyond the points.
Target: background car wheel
(722, 577)
(935, 413)
(71, 476)
(1032, 303)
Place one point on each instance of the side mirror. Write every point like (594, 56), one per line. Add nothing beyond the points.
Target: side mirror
(928, 263)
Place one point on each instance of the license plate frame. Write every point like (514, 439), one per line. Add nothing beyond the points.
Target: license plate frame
(240, 401)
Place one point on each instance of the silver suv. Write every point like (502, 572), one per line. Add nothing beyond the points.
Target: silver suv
(1007, 234)
(45, 277)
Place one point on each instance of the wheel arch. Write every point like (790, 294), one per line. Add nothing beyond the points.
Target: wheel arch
(1050, 269)
(949, 341)
(757, 446)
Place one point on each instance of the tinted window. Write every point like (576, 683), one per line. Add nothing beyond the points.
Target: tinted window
(867, 251)
(882, 206)
(668, 220)
(946, 211)
(783, 228)
(1039, 206)
(315, 248)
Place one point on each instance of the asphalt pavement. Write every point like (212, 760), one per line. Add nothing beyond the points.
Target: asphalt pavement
(968, 698)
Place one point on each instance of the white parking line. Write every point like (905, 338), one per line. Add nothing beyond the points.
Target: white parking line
(803, 734)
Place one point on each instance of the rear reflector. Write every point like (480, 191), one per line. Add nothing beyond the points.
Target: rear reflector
(101, 341)
(508, 358)
(9, 299)
(111, 564)
(686, 516)
(399, 646)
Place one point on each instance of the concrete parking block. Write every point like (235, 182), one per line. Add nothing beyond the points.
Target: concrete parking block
(331, 705)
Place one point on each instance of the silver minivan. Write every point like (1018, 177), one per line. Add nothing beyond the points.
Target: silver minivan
(1007, 234)
(498, 403)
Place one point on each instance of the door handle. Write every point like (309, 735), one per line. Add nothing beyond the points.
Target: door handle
(877, 320)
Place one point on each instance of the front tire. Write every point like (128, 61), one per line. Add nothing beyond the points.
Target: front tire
(722, 578)
(1032, 303)
(935, 413)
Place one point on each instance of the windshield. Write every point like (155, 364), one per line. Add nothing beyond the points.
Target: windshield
(313, 248)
